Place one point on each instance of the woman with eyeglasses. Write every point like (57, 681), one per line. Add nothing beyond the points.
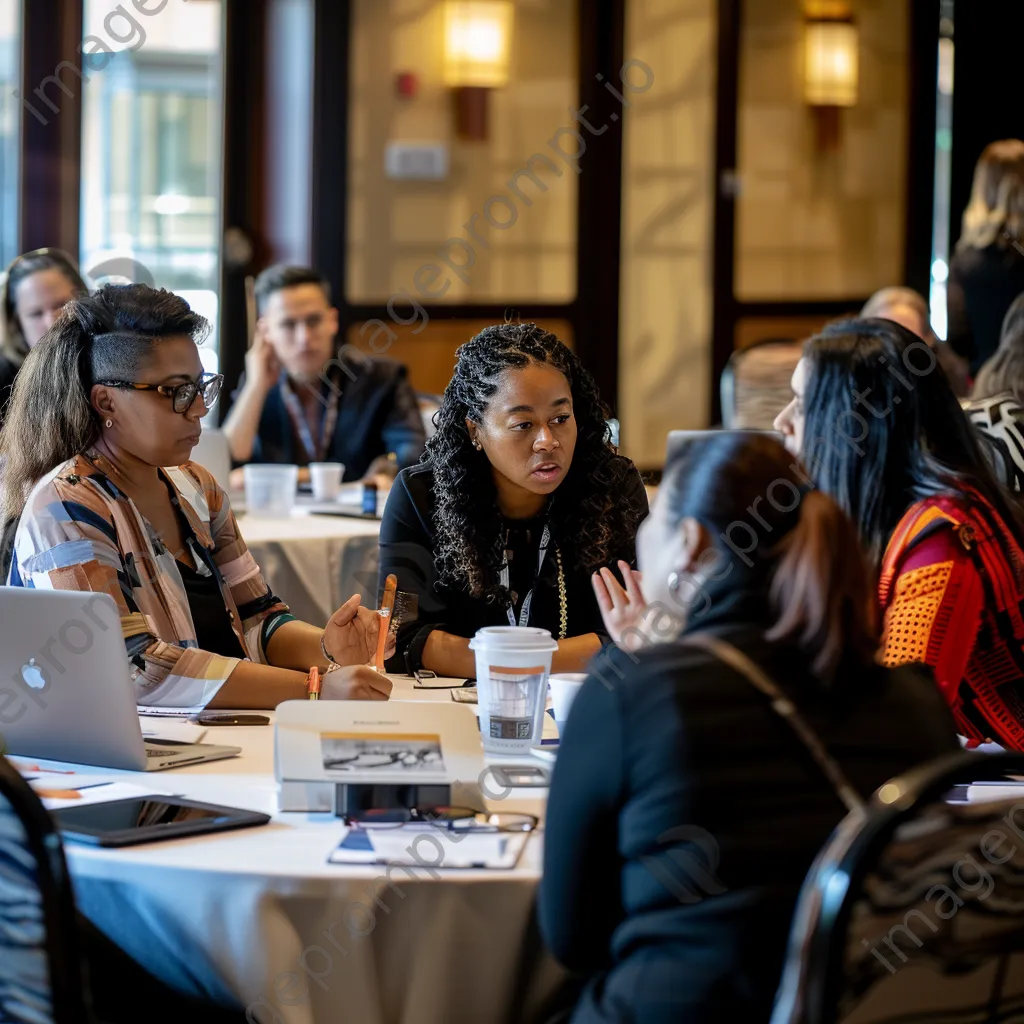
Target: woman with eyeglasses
(111, 397)
(36, 287)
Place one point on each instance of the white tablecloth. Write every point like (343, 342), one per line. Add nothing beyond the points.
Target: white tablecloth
(315, 562)
(258, 917)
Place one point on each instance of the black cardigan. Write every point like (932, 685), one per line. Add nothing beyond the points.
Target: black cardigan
(982, 285)
(407, 549)
(684, 815)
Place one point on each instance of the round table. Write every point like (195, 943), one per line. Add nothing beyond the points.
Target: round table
(259, 918)
(314, 563)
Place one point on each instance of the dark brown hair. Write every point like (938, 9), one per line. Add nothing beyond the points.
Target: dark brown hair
(801, 549)
(281, 276)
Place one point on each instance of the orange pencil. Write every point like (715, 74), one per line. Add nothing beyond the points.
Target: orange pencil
(313, 683)
(387, 607)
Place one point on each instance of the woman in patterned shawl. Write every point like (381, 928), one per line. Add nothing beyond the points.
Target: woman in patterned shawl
(877, 426)
(111, 397)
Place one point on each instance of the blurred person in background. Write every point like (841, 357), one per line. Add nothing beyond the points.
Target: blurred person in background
(909, 308)
(36, 287)
(881, 431)
(986, 272)
(303, 401)
(996, 407)
(684, 812)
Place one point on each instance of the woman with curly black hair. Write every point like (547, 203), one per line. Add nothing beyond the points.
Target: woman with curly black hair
(519, 498)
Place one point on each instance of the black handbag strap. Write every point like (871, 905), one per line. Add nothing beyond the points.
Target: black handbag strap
(783, 707)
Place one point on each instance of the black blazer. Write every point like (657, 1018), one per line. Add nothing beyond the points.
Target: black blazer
(377, 414)
(982, 285)
(407, 549)
(684, 815)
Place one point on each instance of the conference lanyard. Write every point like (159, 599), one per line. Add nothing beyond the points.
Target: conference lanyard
(315, 450)
(506, 581)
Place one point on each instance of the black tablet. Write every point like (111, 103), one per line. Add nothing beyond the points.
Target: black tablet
(148, 819)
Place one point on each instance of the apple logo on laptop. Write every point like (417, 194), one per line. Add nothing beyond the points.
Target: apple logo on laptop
(34, 676)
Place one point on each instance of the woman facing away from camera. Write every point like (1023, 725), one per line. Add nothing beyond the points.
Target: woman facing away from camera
(878, 428)
(519, 498)
(684, 810)
(37, 286)
(114, 393)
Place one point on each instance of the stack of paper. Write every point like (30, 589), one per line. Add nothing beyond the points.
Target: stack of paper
(428, 846)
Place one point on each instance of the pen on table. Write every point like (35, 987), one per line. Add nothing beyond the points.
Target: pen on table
(313, 683)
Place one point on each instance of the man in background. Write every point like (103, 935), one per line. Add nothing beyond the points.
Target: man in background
(301, 400)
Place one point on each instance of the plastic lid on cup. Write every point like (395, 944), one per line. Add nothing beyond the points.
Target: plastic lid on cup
(513, 638)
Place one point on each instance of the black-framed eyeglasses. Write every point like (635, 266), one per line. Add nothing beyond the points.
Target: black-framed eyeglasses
(182, 396)
(453, 819)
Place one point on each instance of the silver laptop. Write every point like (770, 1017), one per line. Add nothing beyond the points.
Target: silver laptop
(214, 453)
(678, 439)
(65, 691)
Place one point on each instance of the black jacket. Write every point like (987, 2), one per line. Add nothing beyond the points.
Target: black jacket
(407, 549)
(684, 815)
(982, 285)
(377, 414)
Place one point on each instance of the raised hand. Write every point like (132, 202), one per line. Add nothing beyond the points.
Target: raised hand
(621, 608)
(351, 634)
(262, 367)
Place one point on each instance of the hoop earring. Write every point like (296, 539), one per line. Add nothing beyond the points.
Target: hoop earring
(109, 424)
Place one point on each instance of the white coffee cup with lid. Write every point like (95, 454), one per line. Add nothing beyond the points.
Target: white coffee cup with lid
(512, 668)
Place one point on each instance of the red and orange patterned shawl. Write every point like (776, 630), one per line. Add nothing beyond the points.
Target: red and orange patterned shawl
(952, 591)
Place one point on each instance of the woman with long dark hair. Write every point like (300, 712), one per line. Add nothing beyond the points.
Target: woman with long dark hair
(37, 286)
(878, 427)
(97, 477)
(519, 498)
(685, 808)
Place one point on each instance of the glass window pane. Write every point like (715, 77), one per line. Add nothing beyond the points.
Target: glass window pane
(151, 148)
(10, 125)
(514, 188)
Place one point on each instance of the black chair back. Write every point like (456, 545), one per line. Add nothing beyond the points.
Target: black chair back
(41, 979)
(914, 910)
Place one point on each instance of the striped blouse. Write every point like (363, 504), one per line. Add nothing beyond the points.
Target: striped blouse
(79, 531)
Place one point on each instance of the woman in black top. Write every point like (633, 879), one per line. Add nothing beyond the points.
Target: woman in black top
(684, 812)
(519, 498)
(987, 271)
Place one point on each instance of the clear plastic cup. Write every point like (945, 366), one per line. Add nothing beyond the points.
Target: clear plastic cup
(326, 480)
(512, 668)
(564, 688)
(270, 490)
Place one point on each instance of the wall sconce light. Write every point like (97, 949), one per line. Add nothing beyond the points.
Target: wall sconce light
(831, 72)
(477, 48)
